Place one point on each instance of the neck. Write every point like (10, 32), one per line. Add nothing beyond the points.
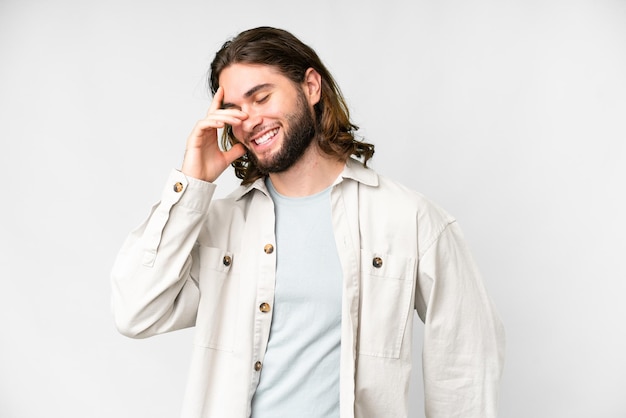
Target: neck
(314, 172)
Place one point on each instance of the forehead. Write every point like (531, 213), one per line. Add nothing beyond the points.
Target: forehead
(238, 79)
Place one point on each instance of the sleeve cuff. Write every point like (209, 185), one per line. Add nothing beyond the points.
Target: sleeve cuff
(187, 191)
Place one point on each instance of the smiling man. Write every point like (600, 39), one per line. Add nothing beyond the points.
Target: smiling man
(303, 283)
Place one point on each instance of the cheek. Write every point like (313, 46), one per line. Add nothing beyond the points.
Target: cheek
(268, 112)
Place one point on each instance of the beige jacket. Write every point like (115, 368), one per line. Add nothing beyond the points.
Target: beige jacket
(211, 264)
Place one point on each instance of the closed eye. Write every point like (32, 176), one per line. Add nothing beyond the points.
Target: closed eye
(262, 99)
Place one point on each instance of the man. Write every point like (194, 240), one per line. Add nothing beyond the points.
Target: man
(302, 283)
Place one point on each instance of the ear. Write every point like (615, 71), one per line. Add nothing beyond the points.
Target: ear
(312, 86)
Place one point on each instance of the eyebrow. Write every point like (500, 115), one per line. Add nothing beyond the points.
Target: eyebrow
(249, 93)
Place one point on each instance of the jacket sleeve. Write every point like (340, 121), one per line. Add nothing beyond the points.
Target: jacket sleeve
(154, 289)
(463, 350)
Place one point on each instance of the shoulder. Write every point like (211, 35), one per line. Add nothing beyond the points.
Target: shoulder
(400, 198)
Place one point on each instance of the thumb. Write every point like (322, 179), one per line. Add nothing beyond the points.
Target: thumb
(237, 151)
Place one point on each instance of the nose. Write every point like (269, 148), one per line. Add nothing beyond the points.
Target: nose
(253, 120)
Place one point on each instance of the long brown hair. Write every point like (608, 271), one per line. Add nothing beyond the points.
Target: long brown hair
(282, 50)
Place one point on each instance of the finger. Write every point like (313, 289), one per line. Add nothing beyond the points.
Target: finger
(217, 100)
(217, 103)
(217, 121)
(220, 114)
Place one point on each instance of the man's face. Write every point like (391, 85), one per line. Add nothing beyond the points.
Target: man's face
(280, 124)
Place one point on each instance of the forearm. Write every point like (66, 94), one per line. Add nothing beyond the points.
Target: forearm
(153, 288)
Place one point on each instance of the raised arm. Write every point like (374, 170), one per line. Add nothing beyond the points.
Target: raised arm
(154, 285)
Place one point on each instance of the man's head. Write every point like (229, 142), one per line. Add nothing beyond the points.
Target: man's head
(284, 55)
(279, 127)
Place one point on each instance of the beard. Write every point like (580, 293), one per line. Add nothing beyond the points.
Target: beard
(296, 140)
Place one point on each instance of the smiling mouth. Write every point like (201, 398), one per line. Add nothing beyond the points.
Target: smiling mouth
(266, 137)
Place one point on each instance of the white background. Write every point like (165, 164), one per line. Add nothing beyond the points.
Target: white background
(509, 114)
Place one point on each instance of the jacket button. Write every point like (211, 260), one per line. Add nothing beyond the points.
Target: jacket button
(257, 366)
(264, 307)
(377, 262)
(269, 248)
(227, 260)
(178, 187)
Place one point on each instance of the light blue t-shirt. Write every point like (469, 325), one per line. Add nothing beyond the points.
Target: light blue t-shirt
(300, 375)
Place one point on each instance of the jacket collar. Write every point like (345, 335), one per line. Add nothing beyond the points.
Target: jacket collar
(353, 170)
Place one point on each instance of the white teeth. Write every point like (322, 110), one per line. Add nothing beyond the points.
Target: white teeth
(266, 137)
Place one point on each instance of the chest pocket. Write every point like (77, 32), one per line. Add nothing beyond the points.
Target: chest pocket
(385, 304)
(219, 296)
